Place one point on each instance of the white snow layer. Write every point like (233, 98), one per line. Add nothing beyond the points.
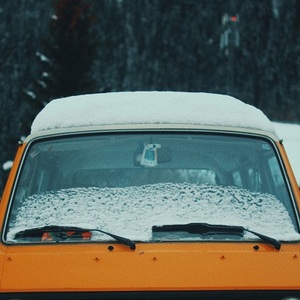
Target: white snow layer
(290, 133)
(132, 211)
(150, 107)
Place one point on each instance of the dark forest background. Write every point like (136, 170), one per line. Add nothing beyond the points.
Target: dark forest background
(249, 49)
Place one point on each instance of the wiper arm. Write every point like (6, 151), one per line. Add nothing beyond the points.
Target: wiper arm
(60, 233)
(208, 229)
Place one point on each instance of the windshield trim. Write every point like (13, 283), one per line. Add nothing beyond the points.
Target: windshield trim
(45, 137)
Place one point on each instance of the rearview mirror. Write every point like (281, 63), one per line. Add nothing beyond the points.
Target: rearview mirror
(154, 154)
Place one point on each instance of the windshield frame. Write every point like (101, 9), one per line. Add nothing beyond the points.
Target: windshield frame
(154, 131)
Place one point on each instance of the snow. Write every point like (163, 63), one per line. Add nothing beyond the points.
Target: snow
(30, 94)
(42, 57)
(7, 165)
(150, 108)
(132, 211)
(290, 133)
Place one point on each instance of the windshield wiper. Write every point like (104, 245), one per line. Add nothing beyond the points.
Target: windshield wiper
(60, 233)
(210, 229)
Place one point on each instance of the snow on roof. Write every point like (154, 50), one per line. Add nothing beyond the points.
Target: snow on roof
(150, 108)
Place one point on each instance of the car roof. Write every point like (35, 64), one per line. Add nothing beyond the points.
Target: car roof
(129, 108)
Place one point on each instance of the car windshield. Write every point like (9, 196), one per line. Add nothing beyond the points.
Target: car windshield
(127, 183)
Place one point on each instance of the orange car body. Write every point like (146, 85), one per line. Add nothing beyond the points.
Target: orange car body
(206, 269)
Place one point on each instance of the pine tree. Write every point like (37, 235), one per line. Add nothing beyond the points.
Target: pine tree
(72, 48)
(66, 60)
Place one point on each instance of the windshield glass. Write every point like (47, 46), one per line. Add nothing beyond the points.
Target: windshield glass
(127, 183)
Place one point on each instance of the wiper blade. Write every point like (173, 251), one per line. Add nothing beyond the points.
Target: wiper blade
(60, 233)
(209, 229)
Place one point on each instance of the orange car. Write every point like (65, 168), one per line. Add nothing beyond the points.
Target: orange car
(150, 195)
